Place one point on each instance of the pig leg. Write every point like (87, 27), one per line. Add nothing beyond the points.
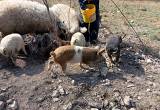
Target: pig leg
(110, 60)
(63, 66)
(117, 58)
(50, 63)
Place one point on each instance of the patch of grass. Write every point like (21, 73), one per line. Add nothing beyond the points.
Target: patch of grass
(144, 16)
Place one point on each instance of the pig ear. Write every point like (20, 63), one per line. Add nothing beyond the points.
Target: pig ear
(51, 53)
(101, 51)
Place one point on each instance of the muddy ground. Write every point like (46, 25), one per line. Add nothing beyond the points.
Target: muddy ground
(134, 85)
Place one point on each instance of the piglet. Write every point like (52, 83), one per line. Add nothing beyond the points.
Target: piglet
(75, 54)
(11, 44)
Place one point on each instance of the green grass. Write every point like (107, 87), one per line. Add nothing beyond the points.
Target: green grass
(143, 16)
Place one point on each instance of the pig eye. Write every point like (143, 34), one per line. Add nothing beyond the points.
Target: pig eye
(51, 62)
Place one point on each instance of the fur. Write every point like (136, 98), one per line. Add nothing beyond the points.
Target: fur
(22, 16)
(78, 39)
(68, 18)
(11, 44)
(74, 54)
(113, 48)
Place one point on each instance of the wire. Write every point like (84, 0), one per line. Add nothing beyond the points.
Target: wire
(128, 22)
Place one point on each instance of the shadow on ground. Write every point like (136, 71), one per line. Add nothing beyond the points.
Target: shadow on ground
(28, 66)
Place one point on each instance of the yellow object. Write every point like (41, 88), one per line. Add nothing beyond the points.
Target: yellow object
(89, 13)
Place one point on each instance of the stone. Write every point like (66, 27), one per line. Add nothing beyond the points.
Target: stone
(13, 105)
(106, 103)
(10, 101)
(59, 81)
(73, 82)
(56, 93)
(116, 94)
(61, 90)
(148, 61)
(95, 104)
(40, 99)
(68, 106)
(54, 76)
(132, 21)
(139, 97)
(55, 99)
(130, 85)
(132, 109)
(94, 109)
(2, 105)
(148, 90)
(104, 71)
(143, 9)
(115, 108)
(2, 97)
(128, 101)
(106, 82)
(4, 89)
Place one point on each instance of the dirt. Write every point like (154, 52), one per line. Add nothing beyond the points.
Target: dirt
(35, 88)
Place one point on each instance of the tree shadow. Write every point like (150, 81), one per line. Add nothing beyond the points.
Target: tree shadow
(129, 65)
(28, 66)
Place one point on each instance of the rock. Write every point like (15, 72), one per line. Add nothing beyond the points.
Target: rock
(115, 108)
(61, 90)
(130, 85)
(116, 94)
(156, 93)
(132, 109)
(86, 71)
(150, 76)
(132, 21)
(106, 103)
(4, 89)
(104, 71)
(95, 104)
(2, 97)
(68, 106)
(129, 81)
(139, 97)
(2, 105)
(55, 99)
(106, 82)
(55, 93)
(54, 76)
(40, 99)
(10, 101)
(128, 101)
(94, 109)
(148, 90)
(143, 56)
(73, 82)
(13, 105)
(148, 61)
(59, 81)
(111, 104)
(151, 84)
(143, 9)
